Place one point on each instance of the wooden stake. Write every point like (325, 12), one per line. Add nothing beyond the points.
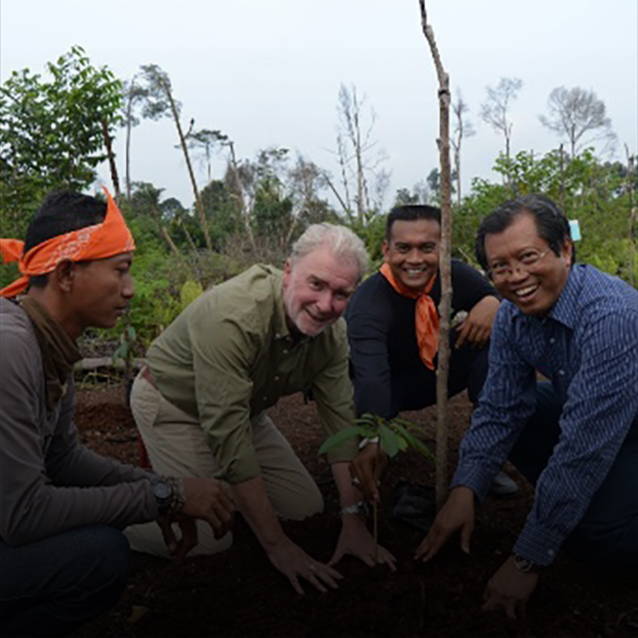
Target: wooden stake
(445, 304)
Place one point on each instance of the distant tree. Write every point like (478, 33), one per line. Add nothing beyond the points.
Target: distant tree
(462, 129)
(495, 109)
(134, 96)
(160, 102)
(420, 193)
(359, 162)
(433, 181)
(306, 183)
(574, 113)
(53, 132)
(206, 141)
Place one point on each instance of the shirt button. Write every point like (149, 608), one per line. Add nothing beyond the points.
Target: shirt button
(285, 351)
(551, 552)
(552, 340)
(562, 373)
(276, 378)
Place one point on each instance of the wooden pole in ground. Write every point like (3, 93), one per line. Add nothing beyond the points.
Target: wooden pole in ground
(445, 304)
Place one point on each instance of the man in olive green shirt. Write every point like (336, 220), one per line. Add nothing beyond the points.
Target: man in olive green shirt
(200, 404)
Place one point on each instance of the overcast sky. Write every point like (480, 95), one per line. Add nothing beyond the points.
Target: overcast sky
(267, 72)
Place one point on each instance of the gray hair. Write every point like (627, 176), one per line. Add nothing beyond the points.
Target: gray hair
(341, 241)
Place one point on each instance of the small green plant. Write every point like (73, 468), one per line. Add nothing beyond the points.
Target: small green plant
(394, 436)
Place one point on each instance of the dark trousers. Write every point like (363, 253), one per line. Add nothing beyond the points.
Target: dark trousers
(416, 389)
(52, 586)
(607, 535)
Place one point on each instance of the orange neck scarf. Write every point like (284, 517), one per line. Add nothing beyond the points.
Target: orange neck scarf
(426, 319)
(100, 241)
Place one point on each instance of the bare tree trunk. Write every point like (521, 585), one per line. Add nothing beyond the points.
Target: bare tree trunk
(240, 198)
(113, 168)
(344, 177)
(561, 167)
(445, 304)
(198, 199)
(126, 378)
(128, 157)
(189, 237)
(359, 160)
(457, 166)
(335, 192)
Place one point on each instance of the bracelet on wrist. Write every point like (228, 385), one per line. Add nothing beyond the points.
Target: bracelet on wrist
(361, 509)
(525, 565)
(365, 440)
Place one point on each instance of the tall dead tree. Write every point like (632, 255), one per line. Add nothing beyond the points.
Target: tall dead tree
(462, 129)
(495, 109)
(160, 102)
(445, 304)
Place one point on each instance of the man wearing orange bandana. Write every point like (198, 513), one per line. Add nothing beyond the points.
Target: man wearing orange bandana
(393, 323)
(63, 556)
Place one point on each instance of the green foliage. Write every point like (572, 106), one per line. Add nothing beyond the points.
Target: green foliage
(595, 193)
(190, 291)
(52, 133)
(395, 435)
(127, 338)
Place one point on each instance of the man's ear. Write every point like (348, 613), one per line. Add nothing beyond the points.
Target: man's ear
(385, 247)
(63, 276)
(287, 271)
(567, 251)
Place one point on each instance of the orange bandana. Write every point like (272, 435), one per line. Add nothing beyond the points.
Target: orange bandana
(426, 319)
(111, 237)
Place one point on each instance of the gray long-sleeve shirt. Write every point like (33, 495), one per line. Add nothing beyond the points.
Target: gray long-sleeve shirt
(50, 483)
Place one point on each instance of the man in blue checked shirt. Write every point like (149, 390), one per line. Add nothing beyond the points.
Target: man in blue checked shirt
(575, 436)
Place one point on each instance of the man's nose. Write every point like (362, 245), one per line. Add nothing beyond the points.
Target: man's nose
(325, 301)
(517, 272)
(415, 256)
(128, 289)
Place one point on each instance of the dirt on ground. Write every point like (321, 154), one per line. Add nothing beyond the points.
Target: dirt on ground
(239, 593)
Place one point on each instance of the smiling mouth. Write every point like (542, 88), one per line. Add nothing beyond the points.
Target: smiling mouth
(320, 319)
(415, 272)
(528, 291)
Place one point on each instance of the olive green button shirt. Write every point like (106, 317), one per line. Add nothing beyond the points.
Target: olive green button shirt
(230, 355)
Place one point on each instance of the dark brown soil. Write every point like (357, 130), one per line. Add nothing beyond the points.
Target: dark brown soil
(238, 593)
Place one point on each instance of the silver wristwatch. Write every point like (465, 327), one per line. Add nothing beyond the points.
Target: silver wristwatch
(163, 493)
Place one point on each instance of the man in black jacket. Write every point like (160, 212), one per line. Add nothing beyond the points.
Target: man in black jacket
(393, 324)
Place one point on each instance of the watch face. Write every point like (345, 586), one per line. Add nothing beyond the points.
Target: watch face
(162, 490)
(524, 564)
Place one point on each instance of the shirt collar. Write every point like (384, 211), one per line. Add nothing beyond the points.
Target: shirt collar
(565, 309)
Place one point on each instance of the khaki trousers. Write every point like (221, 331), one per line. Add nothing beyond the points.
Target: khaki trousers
(177, 446)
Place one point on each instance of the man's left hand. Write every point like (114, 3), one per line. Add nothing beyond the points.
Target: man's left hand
(356, 540)
(366, 471)
(509, 589)
(477, 327)
(178, 548)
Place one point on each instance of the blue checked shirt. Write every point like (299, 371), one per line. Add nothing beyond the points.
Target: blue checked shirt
(587, 346)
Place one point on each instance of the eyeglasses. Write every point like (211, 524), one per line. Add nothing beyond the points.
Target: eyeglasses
(528, 261)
